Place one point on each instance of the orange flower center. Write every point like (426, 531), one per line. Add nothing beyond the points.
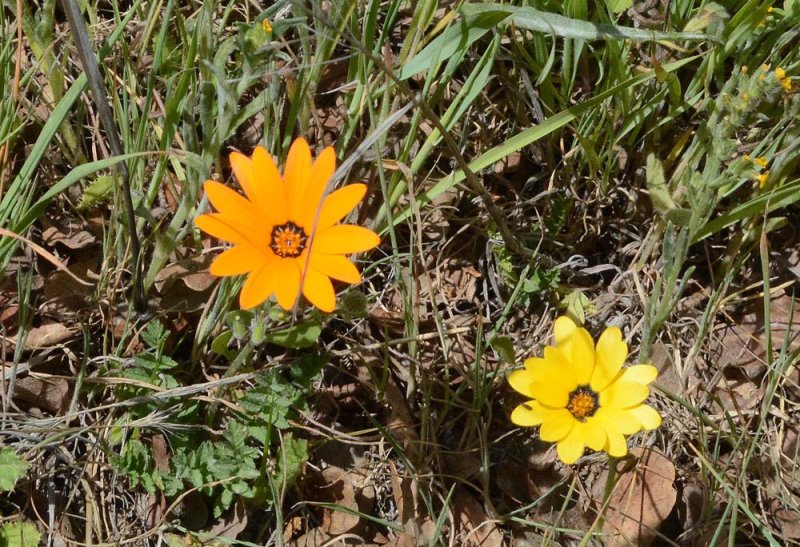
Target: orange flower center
(288, 240)
(582, 403)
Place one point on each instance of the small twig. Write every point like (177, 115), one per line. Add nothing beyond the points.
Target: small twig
(90, 66)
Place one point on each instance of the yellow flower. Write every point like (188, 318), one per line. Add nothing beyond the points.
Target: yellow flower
(285, 236)
(780, 73)
(580, 394)
(762, 179)
(761, 162)
(787, 84)
(266, 26)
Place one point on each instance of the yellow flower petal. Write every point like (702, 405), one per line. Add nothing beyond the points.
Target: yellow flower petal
(528, 414)
(646, 415)
(555, 362)
(623, 395)
(556, 425)
(622, 420)
(553, 395)
(237, 260)
(641, 374)
(258, 286)
(578, 350)
(610, 355)
(339, 203)
(336, 266)
(616, 445)
(317, 288)
(521, 381)
(305, 210)
(271, 192)
(295, 174)
(563, 329)
(593, 433)
(287, 282)
(344, 239)
(570, 448)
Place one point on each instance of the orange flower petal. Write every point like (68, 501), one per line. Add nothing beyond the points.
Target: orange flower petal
(258, 286)
(335, 266)
(318, 289)
(339, 203)
(287, 282)
(345, 238)
(271, 192)
(225, 229)
(243, 170)
(238, 260)
(306, 210)
(228, 202)
(295, 174)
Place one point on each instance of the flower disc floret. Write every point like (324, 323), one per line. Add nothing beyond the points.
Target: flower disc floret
(581, 396)
(285, 230)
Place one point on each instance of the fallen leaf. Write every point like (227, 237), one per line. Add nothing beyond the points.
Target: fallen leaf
(789, 521)
(475, 526)
(642, 499)
(229, 529)
(352, 490)
(75, 240)
(51, 394)
(46, 336)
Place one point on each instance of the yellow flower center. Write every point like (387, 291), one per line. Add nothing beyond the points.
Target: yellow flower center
(582, 403)
(288, 240)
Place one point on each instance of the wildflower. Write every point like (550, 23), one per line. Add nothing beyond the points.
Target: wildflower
(761, 162)
(762, 179)
(787, 84)
(266, 26)
(580, 394)
(780, 73)
(285, 233)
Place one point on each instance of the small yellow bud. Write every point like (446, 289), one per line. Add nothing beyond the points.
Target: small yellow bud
(744, 69)
(747, 157)
(780, 73)
(266, 25)
(770, 9)
(762, 179)
(787, 84)
(762, 162)
(765, 67)
(745, 96)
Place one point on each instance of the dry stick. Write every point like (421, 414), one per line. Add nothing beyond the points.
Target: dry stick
(89, 63)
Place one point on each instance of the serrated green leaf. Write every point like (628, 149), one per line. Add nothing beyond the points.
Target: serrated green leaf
(100, 190)
(19, 534)
(294, 453)
(12, 468)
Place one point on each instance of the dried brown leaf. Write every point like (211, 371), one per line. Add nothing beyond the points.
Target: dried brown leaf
(51, 394)
(476, 528)
(642, 499)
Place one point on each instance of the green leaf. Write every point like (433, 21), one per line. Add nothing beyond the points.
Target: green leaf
(576, 304)
(558, 25)
(299, 336)
(294, 453)
(618, 6)
(99, 191)
(19, 534)
(12, 468)
(457, 38)
(504, 348)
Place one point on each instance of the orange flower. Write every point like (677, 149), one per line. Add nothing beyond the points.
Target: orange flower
(285, 232)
